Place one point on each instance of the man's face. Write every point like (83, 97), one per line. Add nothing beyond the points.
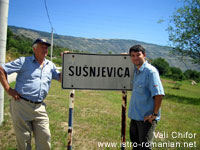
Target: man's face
(137, 58)
(41, 50)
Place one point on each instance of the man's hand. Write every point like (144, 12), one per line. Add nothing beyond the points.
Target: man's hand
(5, 84)
(64, 52)
(150, 118)
(124, 53)
(13, 93)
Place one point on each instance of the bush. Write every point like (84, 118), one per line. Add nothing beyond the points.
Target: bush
(176, 73)
(162, 66)
(57, 61)
(192, 74)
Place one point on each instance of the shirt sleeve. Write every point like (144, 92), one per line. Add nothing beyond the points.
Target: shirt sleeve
(13, 66)
(155, 84)
(55, 73)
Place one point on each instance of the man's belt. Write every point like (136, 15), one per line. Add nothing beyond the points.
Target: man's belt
(30, 100)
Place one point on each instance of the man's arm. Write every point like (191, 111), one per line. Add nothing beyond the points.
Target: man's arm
(3, 79)
(157, 105)
(6, 86)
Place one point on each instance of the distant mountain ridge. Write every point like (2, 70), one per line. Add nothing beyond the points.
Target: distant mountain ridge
(93, 45)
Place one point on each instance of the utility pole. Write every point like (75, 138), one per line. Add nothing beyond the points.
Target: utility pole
(51, 42)
(3, 36)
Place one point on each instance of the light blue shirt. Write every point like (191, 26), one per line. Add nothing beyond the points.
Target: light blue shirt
(146, 85)
(32, 82)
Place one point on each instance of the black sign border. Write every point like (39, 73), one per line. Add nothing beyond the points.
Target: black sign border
(92, 88)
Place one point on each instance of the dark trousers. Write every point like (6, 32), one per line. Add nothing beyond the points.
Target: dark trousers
(141, 134)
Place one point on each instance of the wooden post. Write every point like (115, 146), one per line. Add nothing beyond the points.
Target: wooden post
(123, 125)
(70, 122)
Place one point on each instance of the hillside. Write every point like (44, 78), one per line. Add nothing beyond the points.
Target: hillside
(107, 46)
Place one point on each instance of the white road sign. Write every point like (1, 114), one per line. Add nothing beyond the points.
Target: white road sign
(97, 71)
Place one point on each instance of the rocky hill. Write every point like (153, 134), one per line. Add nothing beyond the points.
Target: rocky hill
(108, 46)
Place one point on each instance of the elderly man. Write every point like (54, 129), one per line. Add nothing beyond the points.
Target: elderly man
(147, 94)
(32, 85)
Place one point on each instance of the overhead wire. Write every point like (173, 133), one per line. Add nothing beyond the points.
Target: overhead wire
(46, 8)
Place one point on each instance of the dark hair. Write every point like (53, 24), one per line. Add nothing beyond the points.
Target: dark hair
(137, 48)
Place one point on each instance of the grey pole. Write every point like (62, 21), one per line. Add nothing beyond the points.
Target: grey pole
(70, 122)
(51, 43)
(3, 36)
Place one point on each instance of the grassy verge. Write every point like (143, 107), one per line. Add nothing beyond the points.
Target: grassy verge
(97, 118)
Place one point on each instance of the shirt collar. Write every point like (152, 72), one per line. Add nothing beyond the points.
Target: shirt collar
(141, 68)
(34, 59)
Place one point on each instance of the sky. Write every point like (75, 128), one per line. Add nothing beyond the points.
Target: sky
(101, 19)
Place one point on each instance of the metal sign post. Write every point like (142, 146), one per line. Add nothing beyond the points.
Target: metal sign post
(70, 122)
(123, 125)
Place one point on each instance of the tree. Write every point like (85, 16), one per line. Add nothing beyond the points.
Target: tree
(192, 74)
(184, 30)
(177, 74)
(161, 65)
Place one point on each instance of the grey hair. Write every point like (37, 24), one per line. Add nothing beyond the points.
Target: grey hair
(35, 45)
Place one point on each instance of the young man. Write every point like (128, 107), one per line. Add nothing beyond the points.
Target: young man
(32, 85)
(147, 94)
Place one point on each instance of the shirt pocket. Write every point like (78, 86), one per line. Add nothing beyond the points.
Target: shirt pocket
(47, 74)
(140, 88)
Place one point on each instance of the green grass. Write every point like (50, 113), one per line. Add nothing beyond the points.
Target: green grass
(97, 117)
